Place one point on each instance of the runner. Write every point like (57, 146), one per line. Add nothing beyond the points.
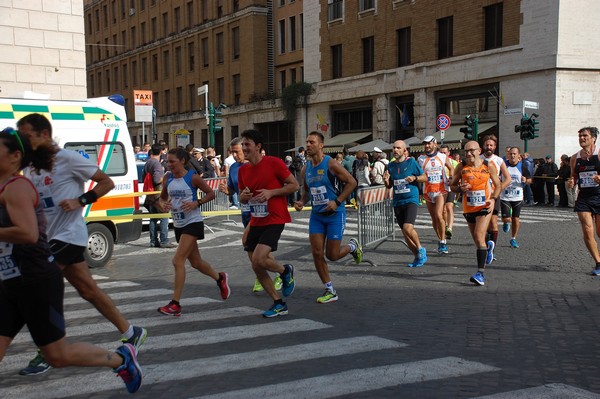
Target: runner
(585, 169)
(327, 185)
(449, 204)
(62, 192)
(435, 192)
(31, 283)
(403, 175)
(179, 196)
(473, 178)
(490, 143)
(265, 184)
(511, 197)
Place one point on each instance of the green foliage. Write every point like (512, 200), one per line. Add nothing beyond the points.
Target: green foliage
(290, 96)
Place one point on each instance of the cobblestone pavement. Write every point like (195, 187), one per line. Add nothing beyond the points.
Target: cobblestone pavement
(396, 332)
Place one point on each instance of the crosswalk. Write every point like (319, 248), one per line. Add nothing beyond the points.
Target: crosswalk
(177, 354)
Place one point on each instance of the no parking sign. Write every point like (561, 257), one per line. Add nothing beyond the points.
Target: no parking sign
(442, 122)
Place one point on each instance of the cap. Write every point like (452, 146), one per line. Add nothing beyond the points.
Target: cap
(377, 149)
(548, 156)
(288, 158)
(429, 139)
(198, 149)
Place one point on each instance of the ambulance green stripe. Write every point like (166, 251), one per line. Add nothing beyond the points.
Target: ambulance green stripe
(62, 116)
(30, 108)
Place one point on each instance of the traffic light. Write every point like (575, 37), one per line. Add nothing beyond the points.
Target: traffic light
(532, 126)
(468, 131)
(216, 120)
(528, 127)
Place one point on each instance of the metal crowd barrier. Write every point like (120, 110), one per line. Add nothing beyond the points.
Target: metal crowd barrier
(221, 201)
(375, 215)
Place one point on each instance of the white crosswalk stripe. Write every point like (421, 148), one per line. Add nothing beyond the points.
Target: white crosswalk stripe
(236, 324)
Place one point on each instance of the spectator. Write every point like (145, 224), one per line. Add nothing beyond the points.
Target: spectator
(154, 167)
(360, 169)
(379, 165)
(549, 172)
(538, 183)
(528, 164)
(564, 173)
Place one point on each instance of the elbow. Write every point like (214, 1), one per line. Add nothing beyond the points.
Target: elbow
(31, 237)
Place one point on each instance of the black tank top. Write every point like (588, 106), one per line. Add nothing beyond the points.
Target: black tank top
(584, 170)
(25, 263)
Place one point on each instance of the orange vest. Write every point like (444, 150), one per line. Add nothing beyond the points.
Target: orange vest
(475, 198)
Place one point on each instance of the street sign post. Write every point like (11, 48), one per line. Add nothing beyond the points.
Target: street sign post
(442, 122)
(203, 91)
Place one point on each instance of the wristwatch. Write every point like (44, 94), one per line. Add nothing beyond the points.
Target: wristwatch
(338, 203)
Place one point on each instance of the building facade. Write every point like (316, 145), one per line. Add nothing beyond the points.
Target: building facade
(43, 50)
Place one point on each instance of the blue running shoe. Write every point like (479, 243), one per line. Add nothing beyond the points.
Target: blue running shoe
(421, 257)
(414, 262)
(442, 248)
(287, 279)
(478, 278)
(490, 252)
(506, 227)
(514, 243)
(596, 272)
(278, 309)
(130, 371)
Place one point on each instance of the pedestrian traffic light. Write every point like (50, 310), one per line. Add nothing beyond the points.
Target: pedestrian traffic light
(468, 131)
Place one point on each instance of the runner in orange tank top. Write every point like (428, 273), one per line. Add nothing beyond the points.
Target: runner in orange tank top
(472, 178)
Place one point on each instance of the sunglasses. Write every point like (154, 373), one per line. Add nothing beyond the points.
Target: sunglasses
(13, 132)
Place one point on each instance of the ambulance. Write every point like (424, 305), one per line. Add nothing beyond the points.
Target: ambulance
(97, 129)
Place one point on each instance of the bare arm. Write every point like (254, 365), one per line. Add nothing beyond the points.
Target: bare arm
(506, 179)
(103, 185)
(20, 199)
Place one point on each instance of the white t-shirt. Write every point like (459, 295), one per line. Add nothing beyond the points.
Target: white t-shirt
(71, 171)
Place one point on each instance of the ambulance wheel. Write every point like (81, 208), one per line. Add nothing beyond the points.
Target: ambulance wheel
(100, 245)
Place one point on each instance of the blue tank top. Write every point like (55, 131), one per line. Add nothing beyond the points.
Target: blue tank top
(323, 186)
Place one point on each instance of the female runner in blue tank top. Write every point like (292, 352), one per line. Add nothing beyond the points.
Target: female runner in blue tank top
(179, 195)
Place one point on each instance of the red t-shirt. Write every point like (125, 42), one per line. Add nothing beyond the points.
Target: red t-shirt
(269, 173)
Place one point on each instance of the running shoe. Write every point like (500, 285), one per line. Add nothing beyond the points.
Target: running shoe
(287, 279)
(414, 262)
(421, 257)
(442, 248)
(448, 233)
(130, 371)
(505, 227)
(595, 272)
(478, 278)
(139, 337)
(257, 286)
(37, 365)
(357, 254)
(278, 309)
(514, 243)
(490, 252)
(277, 283)
(171, 309)
(223, 285)
(328, 296)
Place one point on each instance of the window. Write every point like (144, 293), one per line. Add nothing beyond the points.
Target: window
(190, 14)
(116, 77)
(282, 79)
(237, 89)
(99, 80)
(292, 33)
(236, 5)
(88, 24)
(335, 9)
(235, 39)
(205, 52)
(179, 98)
(293, 75)
(155, 100)
(219, 8)
(166, 61)
(144, 70)
(178, 60)
(282, 36)
(192, 94)
(143, 33)
(177, 12)
(221, 90)
(336, 61)
(134, 73)
(133, 37)
(403, 46)
(445, 28)
(105, 15)
(125, 76)
(142, 5)
(113, 10)
(107, 74)
(155, 67)
(301, 30)
(366, 5)
(281, 3)
(220, 50)
(123, 7)
(191, 54)
(493, 26)
(353, 120)
(117, 164)
(368, 47)
(123, 39)
(165, 24)
(167, 102)
(205, 10)
(97, 19)
(154, 26)
(92, 86)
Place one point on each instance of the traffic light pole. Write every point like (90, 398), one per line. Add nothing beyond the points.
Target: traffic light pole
(476, 128)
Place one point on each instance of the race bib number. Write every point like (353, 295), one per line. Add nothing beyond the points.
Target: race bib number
(319, 195)
(259, 209)
(476, 198)
(8, 267)
(245, 208)
(434, 177)
(178, 215)
(586, 179)
(401, 186)
(512, 192)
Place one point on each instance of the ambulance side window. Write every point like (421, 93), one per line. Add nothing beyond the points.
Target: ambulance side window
(113, 152)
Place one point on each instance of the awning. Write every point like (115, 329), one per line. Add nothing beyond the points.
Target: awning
(368, 147)
(337, 143)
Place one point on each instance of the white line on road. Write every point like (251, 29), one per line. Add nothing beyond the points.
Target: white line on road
(123, 295)
(548, 391)
(195, 368)
(362, 380)
(104, 286)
